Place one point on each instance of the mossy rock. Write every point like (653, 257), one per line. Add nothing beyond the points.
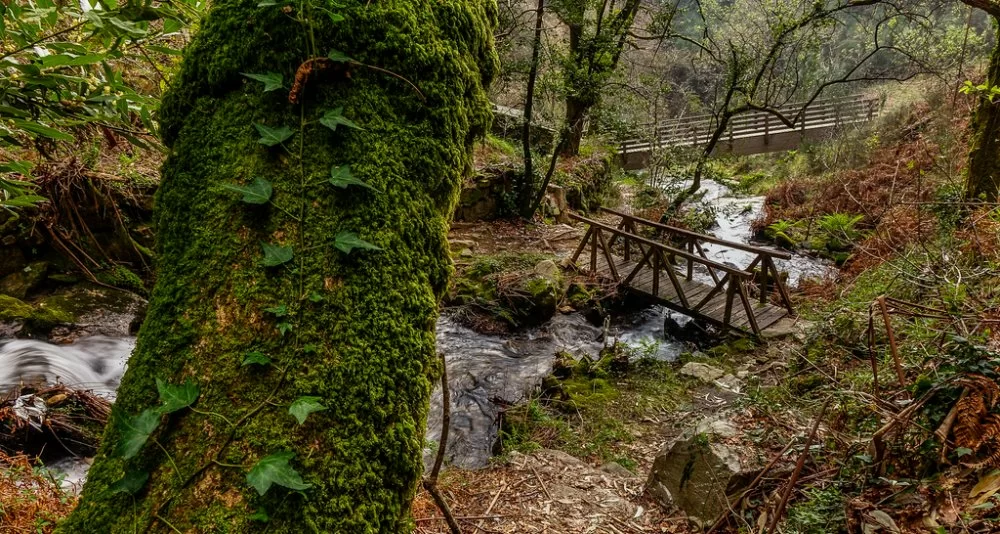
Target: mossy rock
(22, 282)
(37, 317)
(121, 277)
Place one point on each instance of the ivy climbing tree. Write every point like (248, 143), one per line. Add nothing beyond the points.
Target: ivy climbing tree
(282, 376)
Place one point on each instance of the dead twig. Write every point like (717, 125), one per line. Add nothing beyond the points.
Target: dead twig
(798, 470)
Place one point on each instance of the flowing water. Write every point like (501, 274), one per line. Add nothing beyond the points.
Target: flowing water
(485, 372)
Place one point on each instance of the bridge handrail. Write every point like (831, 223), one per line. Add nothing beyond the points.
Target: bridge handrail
(734, 271)
(852, 106)
(695, 235)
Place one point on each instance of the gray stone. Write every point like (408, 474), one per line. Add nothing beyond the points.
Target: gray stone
(787, 327)
(460, 244)
(548, 269)
(729, 382)
(701, 371)
(616, 469)
(700, 474)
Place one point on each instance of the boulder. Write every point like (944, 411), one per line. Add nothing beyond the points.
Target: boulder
(703, 470)
(22, 282)
(702, 371)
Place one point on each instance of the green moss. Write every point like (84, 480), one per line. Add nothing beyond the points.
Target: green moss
(12, 309)
(39, 317)
(119, 276)
(362, 336)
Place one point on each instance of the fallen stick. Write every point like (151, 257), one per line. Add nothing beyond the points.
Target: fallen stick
(799, 464)
(753, 485)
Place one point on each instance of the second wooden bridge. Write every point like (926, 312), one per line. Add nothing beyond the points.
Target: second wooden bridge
(680, 276)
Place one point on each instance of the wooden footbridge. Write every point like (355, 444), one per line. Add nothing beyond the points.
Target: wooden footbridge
(754, 132)
(670, 265)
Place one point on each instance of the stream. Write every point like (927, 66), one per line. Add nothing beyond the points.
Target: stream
(486, 372)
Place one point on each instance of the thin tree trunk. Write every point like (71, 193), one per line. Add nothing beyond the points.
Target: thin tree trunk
(528, 181)
(271, 282)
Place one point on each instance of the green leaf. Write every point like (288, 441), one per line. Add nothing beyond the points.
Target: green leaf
(275, 255)
(23, 201)
(272, 80)
(260, 515)
(303, 406)
(284, 328)
(256, 192)
(129, 484)
(315, 297)
(44, 131)
(274, 469)
(341, 176)
(273, 136)
(335, 117)
(346, 242)
(338, 56)
(278, 311)
(176, 397)
(962, 451)
(135, 432)
(256, 358)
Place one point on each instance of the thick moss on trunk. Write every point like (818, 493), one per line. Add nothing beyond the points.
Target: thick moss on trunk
(983, 176)
(355, 330)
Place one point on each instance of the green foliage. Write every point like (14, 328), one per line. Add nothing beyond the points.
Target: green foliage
(174, 398)
(822, 512)
(275, 255)
(257, 192)
(303, 406)
(130, 483)
(346, 242)
(274, 469)
(983, 90)
(335, 117)
(272, 80)
(135, 431)
(256, 358)
(65, 68)
(342, 177)
(273, 136)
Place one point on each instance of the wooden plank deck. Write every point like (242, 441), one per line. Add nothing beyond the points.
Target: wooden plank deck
(712, 311)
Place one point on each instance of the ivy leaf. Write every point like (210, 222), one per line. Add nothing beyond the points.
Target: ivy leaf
(346, 242)
(338, 57)
(275, 255)
(256, 192)
(260, 515)
(272, 80)
(335, 117)
(176, 397)
(278, 311)
(303, 406)
(129, 484)
(273, 136)
(256, 358)
(274, 469)
(341, 176)
(284, 328)
(135, 432)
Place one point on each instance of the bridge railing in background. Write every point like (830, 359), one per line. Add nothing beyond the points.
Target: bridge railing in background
(697, 130)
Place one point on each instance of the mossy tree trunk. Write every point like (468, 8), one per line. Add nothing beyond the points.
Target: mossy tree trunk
(982, 180)
(355, 332)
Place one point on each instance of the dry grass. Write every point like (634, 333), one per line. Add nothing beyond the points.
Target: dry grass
(30, 502)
